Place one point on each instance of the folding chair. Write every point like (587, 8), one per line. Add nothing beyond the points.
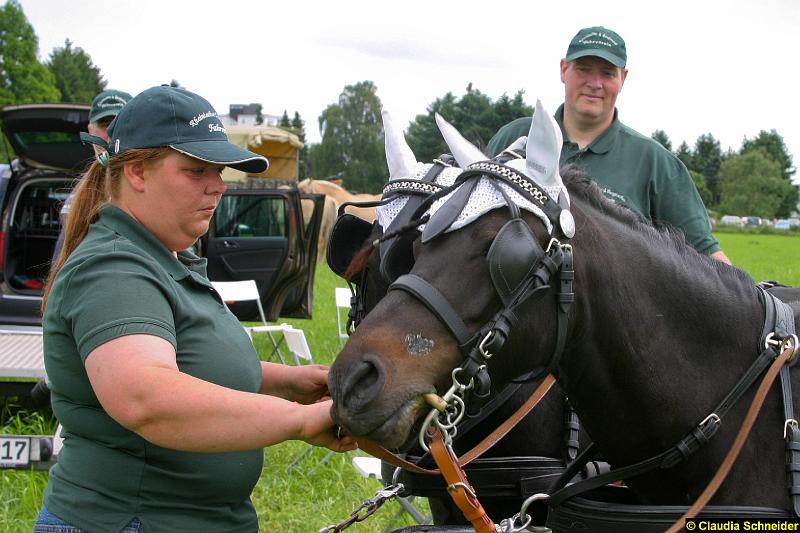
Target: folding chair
(370, 467)
(296, 342)
(247, 291)
(342, 306)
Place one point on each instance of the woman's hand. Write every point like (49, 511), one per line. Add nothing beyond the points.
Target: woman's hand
(302, 384)
(319, 429)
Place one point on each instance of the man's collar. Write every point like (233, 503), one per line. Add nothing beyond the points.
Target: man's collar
(603, 143)
(125, 225)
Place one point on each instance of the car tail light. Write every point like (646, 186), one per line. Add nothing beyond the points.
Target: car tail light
(2, 248)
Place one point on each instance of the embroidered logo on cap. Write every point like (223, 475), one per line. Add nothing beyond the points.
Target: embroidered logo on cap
(597, 38)
(201, 117)
(111, 101)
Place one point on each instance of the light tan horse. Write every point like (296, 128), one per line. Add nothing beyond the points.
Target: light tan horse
(328, 219)
(341, 195)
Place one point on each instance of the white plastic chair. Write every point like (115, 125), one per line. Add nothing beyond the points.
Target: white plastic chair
(295, 341)
(247, 291)
(342, 307)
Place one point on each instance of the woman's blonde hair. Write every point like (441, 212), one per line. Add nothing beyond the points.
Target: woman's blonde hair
(98, 186)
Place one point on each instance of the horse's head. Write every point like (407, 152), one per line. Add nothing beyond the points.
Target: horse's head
(471, 268)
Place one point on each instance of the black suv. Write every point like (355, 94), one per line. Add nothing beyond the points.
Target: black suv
(256, 233)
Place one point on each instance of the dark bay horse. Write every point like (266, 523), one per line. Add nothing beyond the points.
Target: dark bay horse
(656, 337)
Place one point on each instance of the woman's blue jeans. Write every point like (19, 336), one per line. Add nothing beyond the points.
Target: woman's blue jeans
(47, 522)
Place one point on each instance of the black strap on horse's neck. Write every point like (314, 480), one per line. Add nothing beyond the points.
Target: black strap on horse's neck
(785, 327)
(775, 323)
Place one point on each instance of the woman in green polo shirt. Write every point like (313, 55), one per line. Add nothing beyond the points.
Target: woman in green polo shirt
(164, 404)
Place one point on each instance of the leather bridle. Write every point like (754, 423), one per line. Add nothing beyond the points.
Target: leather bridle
(515, 249)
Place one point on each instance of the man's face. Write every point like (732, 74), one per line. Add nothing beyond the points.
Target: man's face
(591, 86)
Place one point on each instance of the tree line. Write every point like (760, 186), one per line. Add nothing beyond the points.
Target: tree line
(755, 180)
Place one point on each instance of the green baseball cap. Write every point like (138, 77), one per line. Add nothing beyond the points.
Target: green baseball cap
(599, 42)
(108, 104)
(182, 120)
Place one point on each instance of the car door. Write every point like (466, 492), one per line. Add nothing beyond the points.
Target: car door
(260, 234)
(50, 155)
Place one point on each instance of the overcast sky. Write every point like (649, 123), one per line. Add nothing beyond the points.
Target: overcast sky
(725, 67)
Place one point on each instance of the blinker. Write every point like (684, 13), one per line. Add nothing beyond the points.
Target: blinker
(348, 236)
(512, 255)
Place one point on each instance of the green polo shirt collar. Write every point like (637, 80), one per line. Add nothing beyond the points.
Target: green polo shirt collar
(603, 143)
(186, 264)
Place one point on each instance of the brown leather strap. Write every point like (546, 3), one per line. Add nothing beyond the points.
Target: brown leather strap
(741, 437)
(479, 449)
(457, 485)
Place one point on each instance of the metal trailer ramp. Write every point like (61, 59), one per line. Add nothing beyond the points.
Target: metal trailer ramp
(21, 353)
(21, 366)
(21, 359)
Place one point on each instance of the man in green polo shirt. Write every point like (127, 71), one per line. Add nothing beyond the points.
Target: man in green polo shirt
(631, 169)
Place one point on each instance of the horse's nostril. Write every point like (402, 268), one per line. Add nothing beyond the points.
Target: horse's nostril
(364, 383)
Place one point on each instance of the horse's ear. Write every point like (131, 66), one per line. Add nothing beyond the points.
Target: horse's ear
(519, 144)
(399, 157)
(463, 151)
(543, 149)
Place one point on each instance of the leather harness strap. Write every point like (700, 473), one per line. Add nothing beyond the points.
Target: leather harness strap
(755, 406)
(457, 485)
(479, 449)
(777, 322)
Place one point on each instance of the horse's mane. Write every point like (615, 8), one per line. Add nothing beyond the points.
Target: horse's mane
(581, 185)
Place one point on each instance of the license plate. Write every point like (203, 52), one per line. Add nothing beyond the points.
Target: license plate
(15, 451)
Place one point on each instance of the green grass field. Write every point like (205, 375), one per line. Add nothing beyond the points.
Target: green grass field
(764, 256)
(314, 495)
